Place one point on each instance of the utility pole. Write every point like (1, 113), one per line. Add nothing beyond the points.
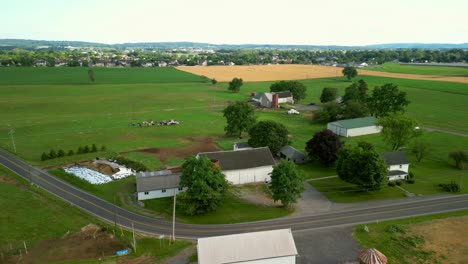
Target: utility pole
(134, 240)
(12, 139)
(173, 217)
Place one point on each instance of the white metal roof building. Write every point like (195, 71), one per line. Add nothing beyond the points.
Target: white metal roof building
(265, 247)
(355, 127)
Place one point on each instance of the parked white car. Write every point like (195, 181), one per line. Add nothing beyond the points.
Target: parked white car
(293, 112)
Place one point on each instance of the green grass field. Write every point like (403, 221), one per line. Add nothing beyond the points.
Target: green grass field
(420, 69)
(395, 241)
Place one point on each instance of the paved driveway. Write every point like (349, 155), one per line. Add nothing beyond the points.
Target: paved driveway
(302, 107)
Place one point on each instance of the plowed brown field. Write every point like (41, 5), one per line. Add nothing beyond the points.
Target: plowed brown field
(260, 73)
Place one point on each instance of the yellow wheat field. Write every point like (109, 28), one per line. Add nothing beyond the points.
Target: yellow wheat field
(260, 73)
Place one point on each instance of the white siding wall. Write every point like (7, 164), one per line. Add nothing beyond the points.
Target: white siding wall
(397, 177)
(258, 174)
(404, 167)
(159, 194)
(288, 100)
(341, 131)
(279, 260)
(363, 131)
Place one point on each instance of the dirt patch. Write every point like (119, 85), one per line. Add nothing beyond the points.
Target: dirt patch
(90, 242)
(102, 168)
(7, 180)
(254, 193)
(260, 73)
(196, 145)
(446, 237)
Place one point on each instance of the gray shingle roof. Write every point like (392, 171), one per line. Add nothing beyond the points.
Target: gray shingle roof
(292, 153)
(394, 158)
(157, 181)
(245, 159)
(241, 145)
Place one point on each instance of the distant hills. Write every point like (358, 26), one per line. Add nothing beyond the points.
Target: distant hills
(47, 44)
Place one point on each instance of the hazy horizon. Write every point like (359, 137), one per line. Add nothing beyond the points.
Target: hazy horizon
(293, 22)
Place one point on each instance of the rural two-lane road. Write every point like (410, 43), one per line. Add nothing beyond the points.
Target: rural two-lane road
(113, 214)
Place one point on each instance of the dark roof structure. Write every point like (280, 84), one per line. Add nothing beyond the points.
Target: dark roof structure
(394, 158)
(245, 159)
(285, 94)
(396, 173)
(292, 153)
(157, 180)
(242, 145)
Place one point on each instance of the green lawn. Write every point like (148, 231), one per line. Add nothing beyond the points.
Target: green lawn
(420, 69)
(396, 243)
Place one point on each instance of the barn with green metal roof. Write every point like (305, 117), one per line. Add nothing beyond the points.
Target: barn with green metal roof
(355, 127)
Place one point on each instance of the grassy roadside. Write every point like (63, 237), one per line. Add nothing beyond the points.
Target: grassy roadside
(400, 244)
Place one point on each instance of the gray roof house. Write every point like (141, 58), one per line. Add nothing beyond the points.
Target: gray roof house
(157, 184)
(398, 165)
(248, 165)
(290, 153)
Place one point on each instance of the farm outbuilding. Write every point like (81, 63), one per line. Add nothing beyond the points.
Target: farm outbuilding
(241, 146)
(292, 154)
(265, 247)
(246, 166)
(398, 165)
(355, 127)
(158, 184)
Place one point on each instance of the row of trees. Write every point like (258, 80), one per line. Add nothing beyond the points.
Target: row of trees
(52, 154)
(384, 100)
(238, 56)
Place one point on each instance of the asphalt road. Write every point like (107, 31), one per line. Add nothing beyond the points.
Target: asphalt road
(113, 214)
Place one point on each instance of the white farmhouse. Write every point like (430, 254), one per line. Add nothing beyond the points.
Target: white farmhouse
(272, 100)
(398, 165)
(355, 127)
(246, 166)
(265, 247)
(158, 184)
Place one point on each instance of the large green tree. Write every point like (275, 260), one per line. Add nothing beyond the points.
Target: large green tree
(297, 89)
(324, 147)
(239, 117)
(387, 99)
(205, 183)
(362, 165)
(286, 183)
(349, 72)
(268, 134)
(420, 149)
(235, 84)
(460, 157)
(357, 92)
(328, 113)
(328, 94)
(398, 130)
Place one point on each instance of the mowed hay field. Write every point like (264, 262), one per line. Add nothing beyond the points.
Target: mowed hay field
(260, 73)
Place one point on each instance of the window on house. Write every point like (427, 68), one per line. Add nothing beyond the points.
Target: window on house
(163, 190)
(146, 193)
(180, 188)
(401, 166)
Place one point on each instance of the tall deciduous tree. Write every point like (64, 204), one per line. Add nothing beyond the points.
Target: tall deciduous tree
(91, 75)
(387, 99)
(420, 149)
(235, 84)
(240, 117)
(205, 183)
(398, 130)
(328, 113)
(362, 165)
(286, 183)
(297, 89)
(349, 72)
(324, 147)
(328, 94)
(268, 134)
(460, 157)
(356, 92)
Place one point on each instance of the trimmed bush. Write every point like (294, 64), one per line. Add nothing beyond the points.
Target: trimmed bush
(44, 156)
(391, 184)
(399, 183)
(93, 148)
(86, 149)
(450, 187)
(52, 154)
(80, 150)
(71, 152)
(60, 153)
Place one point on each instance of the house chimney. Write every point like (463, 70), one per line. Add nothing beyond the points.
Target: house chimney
(275, 103)
(253, 94)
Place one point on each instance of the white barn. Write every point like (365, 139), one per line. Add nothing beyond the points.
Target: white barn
(398, 165)
(265, 247)
(246, 166)
(158, 184)
(355, 127)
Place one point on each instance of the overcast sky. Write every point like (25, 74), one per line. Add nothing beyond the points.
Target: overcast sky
(335, 22)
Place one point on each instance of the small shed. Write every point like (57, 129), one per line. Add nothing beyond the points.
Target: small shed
(355, 127)
(266, 247)
(158, 184)
(292, 154)
(398, 165)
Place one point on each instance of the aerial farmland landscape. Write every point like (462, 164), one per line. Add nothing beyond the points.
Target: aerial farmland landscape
(244, 145)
